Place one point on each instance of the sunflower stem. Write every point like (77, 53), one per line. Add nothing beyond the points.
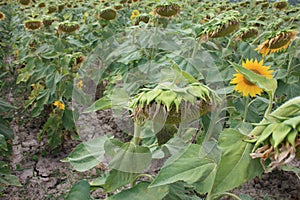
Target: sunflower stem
(196, 47)
(137, 133)
(268, 111)
(259, 37)
(246, 109)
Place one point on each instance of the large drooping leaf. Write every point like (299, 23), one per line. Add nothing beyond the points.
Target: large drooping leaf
(117, 179)
(100, 104)
(142, 191)
(5, 106)
(5, 129)
(68, 120)
(236, 166)
(131, 158)
(189, 165)
(3, 145)
(178, 191)
(80, 191)
(87, 154)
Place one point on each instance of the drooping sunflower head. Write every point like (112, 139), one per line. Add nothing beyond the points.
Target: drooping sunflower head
(167, 9)
(2, 16)
(108, 14)
(278, 42)
(47, 21)
(221, 25)
(25, 2)
(280, 5)
(142, 18)
(247, 33)
(52, 9)
(68, 27)
(244, 86)
(41, 5)
(33, 24)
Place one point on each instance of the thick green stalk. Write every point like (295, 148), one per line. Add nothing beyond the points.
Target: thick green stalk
(246, 109)
(137, 133)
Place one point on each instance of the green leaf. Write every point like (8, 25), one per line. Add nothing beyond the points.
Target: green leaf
(280, 133)
(293, 122)
(5, 129)
(5, 106)
(100, 104)
(289, 108)
(236, 166)
(100, 181)
(8, 179)
(117, 179)
(87, 154)
(177, 191)
(183, 73)
(268, 85)
(112, 146)
(131, 158)
(151, 95)
(52, 128)
(142, 190)
(187, 165)
(80, 191)
(265, 134)
(291, 137)
(3, 144)
(197, 91)
(166, 98)
(68, 120)
(174, 145)
(5, 177)
(291, 168)
(50, 55)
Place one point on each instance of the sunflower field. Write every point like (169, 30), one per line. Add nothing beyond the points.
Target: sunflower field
(205, 94)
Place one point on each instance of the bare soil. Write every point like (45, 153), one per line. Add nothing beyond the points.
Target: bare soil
(45, 177)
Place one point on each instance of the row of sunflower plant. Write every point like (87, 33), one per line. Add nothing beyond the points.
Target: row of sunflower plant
(220, 151)
(209, 91)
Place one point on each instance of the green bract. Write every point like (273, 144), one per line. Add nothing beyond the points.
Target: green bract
(278, 136)
(174, 99)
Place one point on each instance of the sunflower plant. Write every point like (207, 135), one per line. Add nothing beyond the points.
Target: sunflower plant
(208, 91)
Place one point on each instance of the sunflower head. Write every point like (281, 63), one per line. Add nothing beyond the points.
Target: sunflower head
(59, 105)
(280, 5)
(244, 86)
(167, 9)
(142, 18)
(108, 14)
(276, 43)
(221, 25)
(247, 33)
(134, 14)
(52, 9)
(68, 27)
(42, 5)
(2, 16)
(33, 24)
(25, 2)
